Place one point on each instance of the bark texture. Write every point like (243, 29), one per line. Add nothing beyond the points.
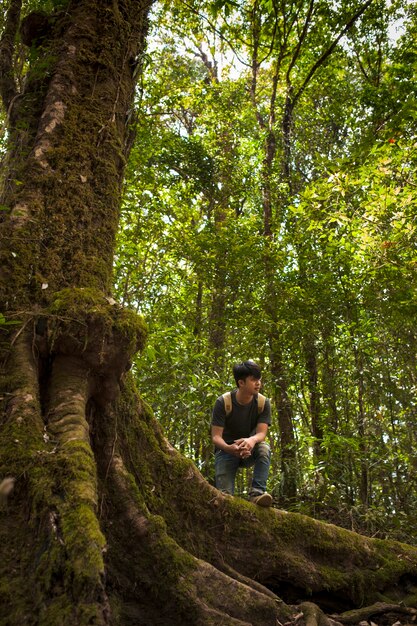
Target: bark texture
(101, 520)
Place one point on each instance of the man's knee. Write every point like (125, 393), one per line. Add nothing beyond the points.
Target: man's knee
(264, 450)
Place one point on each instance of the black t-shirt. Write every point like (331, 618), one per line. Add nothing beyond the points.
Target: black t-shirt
(242, 420)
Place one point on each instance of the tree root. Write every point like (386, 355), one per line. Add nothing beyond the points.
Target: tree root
(379, 608)
(178, 551)
(226, 569)
(276, 553)
(314, 616)
(194, 590)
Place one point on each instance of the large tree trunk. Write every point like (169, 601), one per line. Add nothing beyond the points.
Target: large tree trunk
(101, 521)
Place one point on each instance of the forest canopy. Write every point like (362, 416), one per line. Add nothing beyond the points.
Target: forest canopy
(270, 212)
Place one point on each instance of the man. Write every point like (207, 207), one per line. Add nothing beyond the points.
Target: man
(239, 434)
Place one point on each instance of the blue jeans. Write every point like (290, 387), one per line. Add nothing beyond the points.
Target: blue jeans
(226, 466)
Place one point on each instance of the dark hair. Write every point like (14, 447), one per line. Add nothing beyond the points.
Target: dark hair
(248, 368)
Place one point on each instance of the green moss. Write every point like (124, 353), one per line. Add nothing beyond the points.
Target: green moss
(58, 613)
(87, 313)
(71, 561)
(84, 542)
(332, 578)
(137, 435)
(61, 486)
(129, 324)
(410, 600)
(77, 301)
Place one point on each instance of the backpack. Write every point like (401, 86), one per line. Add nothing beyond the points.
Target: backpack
(227, 397)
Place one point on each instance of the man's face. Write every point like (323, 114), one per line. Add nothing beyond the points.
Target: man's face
(250, 384)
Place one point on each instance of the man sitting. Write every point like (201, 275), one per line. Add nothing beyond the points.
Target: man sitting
(238, 433)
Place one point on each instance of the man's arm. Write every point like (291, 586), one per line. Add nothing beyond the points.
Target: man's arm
(219, 442)
(247, 444)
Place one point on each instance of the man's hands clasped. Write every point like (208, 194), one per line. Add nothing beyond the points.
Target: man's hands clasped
(242, 447)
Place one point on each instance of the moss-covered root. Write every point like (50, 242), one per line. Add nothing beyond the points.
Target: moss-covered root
(68, 400)
(292, 554)
(21, 450)
(19, 386)
(241, 601)
(75, 501)
(194, 591)
(21, 423)
(284, 551)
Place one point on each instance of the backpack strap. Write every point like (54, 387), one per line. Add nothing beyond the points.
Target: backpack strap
(227, 398)
(261, 403)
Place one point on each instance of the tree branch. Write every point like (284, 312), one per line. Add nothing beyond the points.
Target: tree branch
(8, 88)
(301, 39)
(274, 33)
(255, 67)
(329, 51)
(217, 31)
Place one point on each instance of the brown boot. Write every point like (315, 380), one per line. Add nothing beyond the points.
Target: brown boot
(263, 499)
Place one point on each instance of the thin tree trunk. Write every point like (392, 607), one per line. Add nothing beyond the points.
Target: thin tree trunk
(361, 424)
(288, 479)
(314, 393)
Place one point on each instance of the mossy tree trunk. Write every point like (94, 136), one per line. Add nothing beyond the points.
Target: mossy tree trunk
(101, 521)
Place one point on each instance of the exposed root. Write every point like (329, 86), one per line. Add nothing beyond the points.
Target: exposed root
(379, 608)
(69, 395)
(23, 403)
(194, 590)
(286, 552)
(314, 616)
(224, 567)
(179, 552)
